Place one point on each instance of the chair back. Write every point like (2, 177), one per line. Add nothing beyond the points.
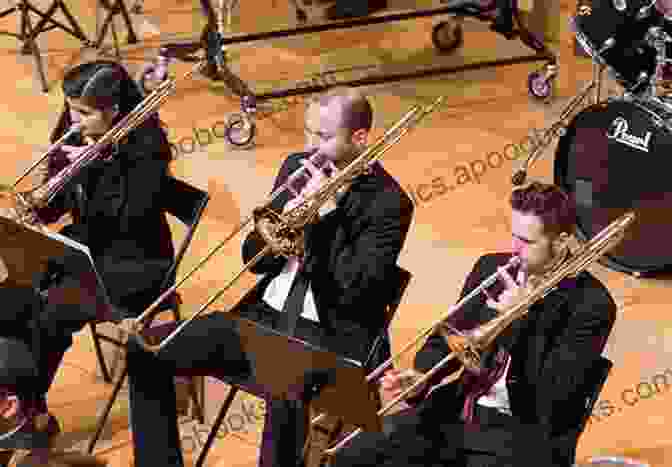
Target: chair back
(598, 376)
(186, 203)
(380, 350)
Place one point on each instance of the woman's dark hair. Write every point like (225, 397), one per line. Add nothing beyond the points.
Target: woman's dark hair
(100, 84)
(550, 203)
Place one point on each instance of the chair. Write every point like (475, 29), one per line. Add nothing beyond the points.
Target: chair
(598, 376)
(186, 203)
(380, 352)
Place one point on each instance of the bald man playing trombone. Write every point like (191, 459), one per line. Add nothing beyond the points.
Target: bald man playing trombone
(331, 294)
(526, 403)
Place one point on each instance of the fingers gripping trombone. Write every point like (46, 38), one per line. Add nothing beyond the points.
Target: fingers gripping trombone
(283, 232)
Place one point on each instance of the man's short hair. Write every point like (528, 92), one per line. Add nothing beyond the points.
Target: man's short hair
(550, 203)
(357, 113)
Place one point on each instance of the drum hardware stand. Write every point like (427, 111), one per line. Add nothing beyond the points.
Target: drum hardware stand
(598, 71)
(28, 34)
(658, 39)
(556, 129)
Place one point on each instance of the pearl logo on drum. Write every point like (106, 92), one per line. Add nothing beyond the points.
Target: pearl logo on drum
(619, 132)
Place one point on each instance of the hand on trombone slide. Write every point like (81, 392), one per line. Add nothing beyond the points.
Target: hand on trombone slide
(515, 290)
(395, 381)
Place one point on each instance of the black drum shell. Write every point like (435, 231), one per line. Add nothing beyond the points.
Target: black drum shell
(607, 178)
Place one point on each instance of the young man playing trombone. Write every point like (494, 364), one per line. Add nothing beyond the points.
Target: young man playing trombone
(526, 402)
(331, 293)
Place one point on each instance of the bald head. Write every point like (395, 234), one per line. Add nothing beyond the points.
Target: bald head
(354, 109)
(338, 123)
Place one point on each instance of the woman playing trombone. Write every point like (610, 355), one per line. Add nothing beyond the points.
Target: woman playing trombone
(116, 213)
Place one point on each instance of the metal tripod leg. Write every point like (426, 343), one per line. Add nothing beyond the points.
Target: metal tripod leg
(31, 43)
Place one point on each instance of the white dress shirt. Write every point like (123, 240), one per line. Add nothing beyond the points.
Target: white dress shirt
(498, 396)
(278, 289)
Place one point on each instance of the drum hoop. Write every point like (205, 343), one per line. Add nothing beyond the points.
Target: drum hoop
(645, 104)
(652, 108)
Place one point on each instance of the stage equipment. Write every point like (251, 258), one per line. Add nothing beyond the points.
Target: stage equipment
(26, 255)
(597, 143)
(288, 226)
(613, 461)
(28, 34)
(632, 42)
(611, 160)
(556, 129)
(241, 126)
(114, 8)
(26, 204)
(468, 346)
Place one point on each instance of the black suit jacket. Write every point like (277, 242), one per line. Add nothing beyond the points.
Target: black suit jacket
(553, 350)
(119, 215)
(351, 253)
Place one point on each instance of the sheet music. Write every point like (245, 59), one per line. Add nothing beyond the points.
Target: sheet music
(26, 250)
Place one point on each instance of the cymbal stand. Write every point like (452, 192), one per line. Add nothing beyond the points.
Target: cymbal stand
(558, 128)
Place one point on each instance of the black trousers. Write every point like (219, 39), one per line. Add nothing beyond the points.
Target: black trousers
(409, 440)
(212, 344)
(46, 328)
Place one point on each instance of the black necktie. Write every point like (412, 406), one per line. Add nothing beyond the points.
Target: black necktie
(296, 298)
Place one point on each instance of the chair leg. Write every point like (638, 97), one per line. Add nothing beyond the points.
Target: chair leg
(215, 426)
(106, 411)
(194, 399)
(99, 354)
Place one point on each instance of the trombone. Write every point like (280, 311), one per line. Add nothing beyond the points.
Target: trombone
(289, 224)
(467, 346)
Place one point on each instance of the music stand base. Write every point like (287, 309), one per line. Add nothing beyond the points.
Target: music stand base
(112, 10)
(28, 34)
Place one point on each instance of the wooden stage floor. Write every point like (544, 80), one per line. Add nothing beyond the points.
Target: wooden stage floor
(486, 110)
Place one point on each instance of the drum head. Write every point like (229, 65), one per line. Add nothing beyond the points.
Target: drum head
(613, 159)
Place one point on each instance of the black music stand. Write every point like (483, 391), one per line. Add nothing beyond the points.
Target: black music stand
(47, 250)
(28, 34)
(26, 254)
(285, 367)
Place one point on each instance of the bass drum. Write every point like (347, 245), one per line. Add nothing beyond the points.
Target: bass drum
(615, 157)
